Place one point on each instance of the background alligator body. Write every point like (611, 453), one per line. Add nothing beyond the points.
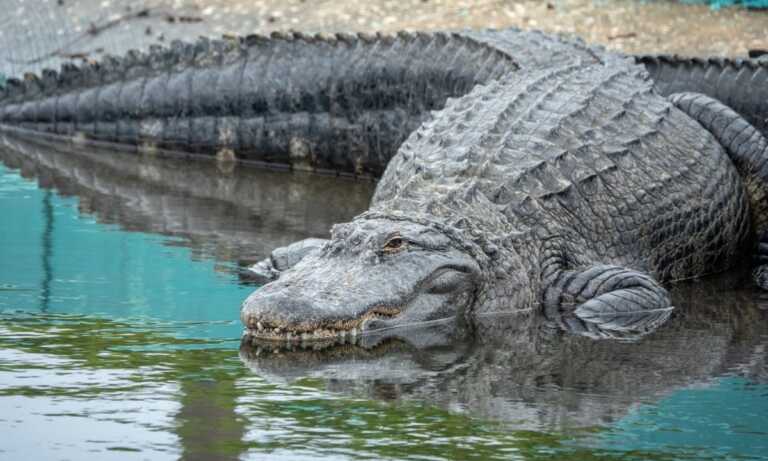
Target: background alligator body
(341, 103)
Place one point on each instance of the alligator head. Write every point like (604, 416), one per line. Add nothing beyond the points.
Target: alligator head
(374, 274)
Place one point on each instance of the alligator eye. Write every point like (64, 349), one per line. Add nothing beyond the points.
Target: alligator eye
(394, 244)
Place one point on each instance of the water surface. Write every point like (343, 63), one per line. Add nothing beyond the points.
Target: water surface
(119, 339)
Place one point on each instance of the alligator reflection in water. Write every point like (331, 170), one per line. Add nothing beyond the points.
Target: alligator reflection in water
(535, 373)
(239, 214)
(521, 369)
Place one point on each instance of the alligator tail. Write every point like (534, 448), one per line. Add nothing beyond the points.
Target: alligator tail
(741, 84)
(341, 103)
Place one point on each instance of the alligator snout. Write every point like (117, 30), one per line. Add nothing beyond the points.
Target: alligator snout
(284, 315)
(264, 310)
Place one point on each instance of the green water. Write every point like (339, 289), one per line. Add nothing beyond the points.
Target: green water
(118, 344)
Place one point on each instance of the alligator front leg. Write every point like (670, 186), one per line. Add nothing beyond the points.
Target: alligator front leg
(283, 258)
(608, 298)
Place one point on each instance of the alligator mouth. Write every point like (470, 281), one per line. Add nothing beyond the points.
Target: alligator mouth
(319, 333)
(253, 347)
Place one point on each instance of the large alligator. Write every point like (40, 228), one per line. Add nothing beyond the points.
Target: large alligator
(554, 176)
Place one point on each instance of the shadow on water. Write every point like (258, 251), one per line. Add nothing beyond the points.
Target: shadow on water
(139, 354)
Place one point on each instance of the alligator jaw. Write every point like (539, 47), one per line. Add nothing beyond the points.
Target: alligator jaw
(343, 331)
(258, 343)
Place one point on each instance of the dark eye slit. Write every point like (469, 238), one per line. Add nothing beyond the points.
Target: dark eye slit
(394, 243)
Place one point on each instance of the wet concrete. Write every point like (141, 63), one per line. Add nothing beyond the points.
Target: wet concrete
(44, 33)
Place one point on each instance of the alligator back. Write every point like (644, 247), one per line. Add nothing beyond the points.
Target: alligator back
(589, 154)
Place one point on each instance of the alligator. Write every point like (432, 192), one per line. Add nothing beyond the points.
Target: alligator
(518, 170)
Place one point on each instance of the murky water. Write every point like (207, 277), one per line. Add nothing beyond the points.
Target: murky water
(119, 339)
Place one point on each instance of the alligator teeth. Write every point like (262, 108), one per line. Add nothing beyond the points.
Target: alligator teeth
(258, 330)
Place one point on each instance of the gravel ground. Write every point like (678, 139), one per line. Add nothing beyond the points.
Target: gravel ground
(43, 33)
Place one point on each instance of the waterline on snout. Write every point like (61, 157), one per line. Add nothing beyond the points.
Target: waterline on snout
(411, 325)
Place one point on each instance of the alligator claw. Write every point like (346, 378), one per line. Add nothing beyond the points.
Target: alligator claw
(281, 259)
(262, 272)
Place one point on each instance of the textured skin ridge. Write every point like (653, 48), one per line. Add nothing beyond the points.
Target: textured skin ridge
(534, 49)
(212, 53)
(741, 84)
(202, 53)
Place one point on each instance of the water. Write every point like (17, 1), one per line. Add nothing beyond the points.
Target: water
(119, 339)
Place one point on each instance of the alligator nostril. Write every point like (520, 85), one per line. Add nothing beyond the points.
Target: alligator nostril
(373, 324)
(265, 310)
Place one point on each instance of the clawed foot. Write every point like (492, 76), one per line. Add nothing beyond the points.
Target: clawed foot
(760, 273)
(283, 258)
(760, 276)
(608, 299)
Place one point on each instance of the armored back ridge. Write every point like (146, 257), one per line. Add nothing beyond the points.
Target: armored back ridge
(586, 152)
